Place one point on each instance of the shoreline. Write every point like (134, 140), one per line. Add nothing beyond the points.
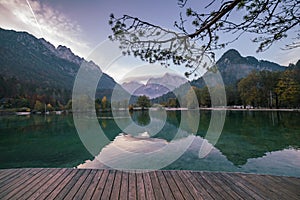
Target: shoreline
(255, 109)
(5, 113)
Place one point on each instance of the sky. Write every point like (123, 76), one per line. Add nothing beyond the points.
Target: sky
(83, 27)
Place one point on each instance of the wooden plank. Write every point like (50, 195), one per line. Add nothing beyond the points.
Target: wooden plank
(180, 184)
(117, 185)
(124, 186)
(173, 187)
(74, 188)
(59, 185)
(148, 186)
(199, 187)
(206, 189)
(262, 189)
(241, 194)
(215, 189)
(108, 185)
(50, 184)
(220, 186)
(19, 188)
(156, 186)
(249, 189)
(12, 176)
(290, 180)
(8, 173)
(82, 190)
(111, 184)
(32, 185)
(100, 186)
(287, 182)
(91, 188)
(190, 187)
(18, 182)
(269, 187)
(141, 193)
(132, 188)
(164, 185)
(66, 186)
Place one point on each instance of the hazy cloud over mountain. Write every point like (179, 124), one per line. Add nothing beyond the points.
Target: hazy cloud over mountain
(43, 21)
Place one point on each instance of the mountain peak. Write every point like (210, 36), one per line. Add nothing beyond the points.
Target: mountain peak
(231, 56)
(47, 44)
(233, 66)
(66, 53)
(169, 80)
(232, 52)
(155, 87)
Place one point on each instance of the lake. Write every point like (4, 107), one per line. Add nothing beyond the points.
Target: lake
(264, 142)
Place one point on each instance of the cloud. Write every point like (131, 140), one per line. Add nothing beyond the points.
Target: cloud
(41, 20)
(291, 56)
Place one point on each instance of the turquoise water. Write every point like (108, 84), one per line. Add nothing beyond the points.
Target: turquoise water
(255, 142)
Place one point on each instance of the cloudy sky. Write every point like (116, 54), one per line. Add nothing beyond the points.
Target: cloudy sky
(83, 25)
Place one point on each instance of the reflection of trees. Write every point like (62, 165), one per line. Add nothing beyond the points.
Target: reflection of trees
(55, 142)
(174, 117)
(190, 124)
(39, 143)
(253, 134)
(110, 128)
(142, 118)
(246, 134)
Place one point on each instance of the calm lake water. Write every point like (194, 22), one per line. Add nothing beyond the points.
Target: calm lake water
(251, 141)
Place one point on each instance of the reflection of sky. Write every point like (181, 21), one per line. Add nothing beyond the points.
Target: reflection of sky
(118, 153)
(284, 162)
(82, 25)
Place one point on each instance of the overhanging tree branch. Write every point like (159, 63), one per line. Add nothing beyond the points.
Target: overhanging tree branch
(270, 20)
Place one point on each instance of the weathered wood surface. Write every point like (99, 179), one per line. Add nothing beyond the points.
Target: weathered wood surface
(111, 184)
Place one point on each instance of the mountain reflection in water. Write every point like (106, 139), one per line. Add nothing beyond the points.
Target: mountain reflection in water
(256, 142)
(250, 142)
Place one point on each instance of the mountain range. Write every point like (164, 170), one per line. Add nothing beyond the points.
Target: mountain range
(232, 68)
(34, 66)
(40, 66)
(155, 87)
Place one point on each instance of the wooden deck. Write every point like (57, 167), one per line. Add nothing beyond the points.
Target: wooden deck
(111, 184)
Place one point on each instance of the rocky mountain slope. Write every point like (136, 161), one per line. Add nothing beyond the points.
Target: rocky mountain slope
(37, 64)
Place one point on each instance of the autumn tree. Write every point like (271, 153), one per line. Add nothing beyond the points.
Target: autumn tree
(39, 106)
(199, 33)
(49, 107)
(173, 103)
(268, 89)
(288, 90)
(104, 103)
(248, 88)
(68, 106)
